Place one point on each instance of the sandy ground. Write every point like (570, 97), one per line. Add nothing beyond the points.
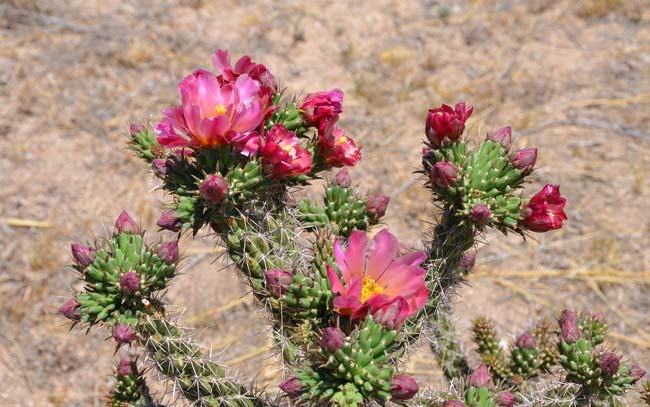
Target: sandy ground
(573, 78)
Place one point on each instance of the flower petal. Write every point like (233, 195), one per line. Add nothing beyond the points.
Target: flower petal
(381, 253)
(355, 254)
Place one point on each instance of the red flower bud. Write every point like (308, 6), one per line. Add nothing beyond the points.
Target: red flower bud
(126, 224)
(637, 372)
(445, 125)
(569, 329)
(214, 188)
(160, 167)
(453, 403)
(526, 341)
(599, 317)
(124, 334)
(524, 160)
(168, 252)
(169, 220)
(342, 178)
(481, 376)
(481, 214)
(502, 136)
(130, 282)
(609, 363)
(332, 339)
(467, 260)
(544, 211)
(506, 399)
(278, 281)
(376, 206)
(443, 174)
(83, 255)
(70, 310)
(403, 387)
(291, 386)
(124, 368)
(390, 314)
(136, 128)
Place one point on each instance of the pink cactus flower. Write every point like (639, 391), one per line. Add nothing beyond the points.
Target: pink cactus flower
(544, 211)
(281, 155)
(374, 276)
(212, 114)
(214, 188)
(445, 124)
(335, 148)
(322, 107)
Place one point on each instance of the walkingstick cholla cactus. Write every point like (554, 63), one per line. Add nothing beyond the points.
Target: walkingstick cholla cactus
(346, 300)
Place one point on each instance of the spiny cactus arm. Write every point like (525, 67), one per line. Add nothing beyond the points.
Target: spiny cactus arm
(201, 381)
(130, 388)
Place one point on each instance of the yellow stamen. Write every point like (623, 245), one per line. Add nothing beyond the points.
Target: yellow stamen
(342, 140)
(288, 148)
(370, 289)
(220, 110)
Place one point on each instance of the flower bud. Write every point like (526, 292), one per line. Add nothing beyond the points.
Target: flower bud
(637, 372)
(506, 399)
(467, 260)
(376, 206)
(569, 329)
(443, 174)
(277, 281)
(70, 310)
(480, 214)
(526, 341)
(168, 252)
(82, 254)
(609, 363)
(445, 125)
(480, 377)
(403, 387)
(524, 160)
(453, 403)
(599, 317)
(332, 339)
(136, 128)
(123, 334)
(126, 224)
(214, 188)
(130, 282)
(124, 368)
(291, 386)
(544, 211)
(160, 167)
(342, 179)
(502, 136)
(169, 220)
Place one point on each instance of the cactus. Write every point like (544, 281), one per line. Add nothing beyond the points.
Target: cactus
(345, 303)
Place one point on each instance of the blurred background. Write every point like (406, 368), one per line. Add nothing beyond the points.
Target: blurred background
(571, 77)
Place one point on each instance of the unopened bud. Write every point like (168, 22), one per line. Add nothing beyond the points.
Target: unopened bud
(83, 255)
(453, 403)
(524, 160)
(291, 386)
(637, 372)
(376, 206)
(124, 368)
(342, 179)
(168, 252)
(609, 363)
(569, 328)
(70, 310)
(169, 220)
(481, 214)
(214, 188)
(506, 399)
(480, 377)
(526, 341)
(136, 128)
(443, 174)
(599, 317)
(332, 339)
(130, 282)
(126, 224)
(160, 167)
(467, 260)
(403, 387)
(277, 281)
(123, 334)
(502, 136)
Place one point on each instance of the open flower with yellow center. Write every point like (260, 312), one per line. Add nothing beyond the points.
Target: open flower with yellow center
(281, 155)
(377, 280)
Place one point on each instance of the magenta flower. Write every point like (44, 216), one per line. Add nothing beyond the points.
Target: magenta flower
(321, 107)
(445, 124)
(335, 148)
(211, 113)
(544, 211)
(281, 155)
(374, 276)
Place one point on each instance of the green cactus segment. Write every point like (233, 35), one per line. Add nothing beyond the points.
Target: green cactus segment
(525, 362)
(289, 116)
(487, 341)
(446, 344)
(359, 370)
(103, 300)
(344, 210)
(202, 381)
(593, 329)
(130, 391)
(577, 358)
(479, 397)
(485, 176)
(547, 342)
(145, 146)
(308, 297)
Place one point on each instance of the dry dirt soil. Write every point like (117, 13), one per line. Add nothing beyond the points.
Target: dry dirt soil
(571, 77)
